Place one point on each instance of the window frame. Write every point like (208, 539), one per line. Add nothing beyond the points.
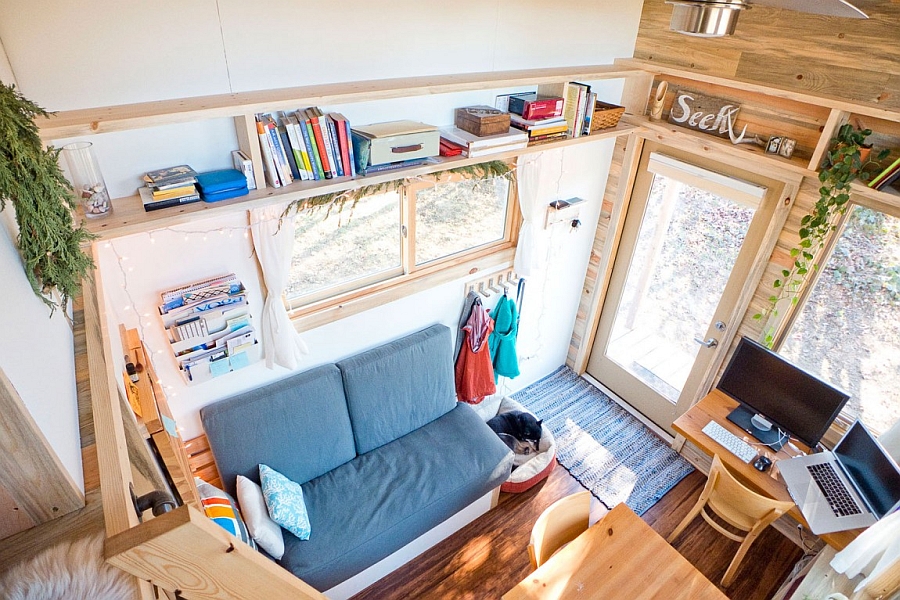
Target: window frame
(336, 302)
(890, 207)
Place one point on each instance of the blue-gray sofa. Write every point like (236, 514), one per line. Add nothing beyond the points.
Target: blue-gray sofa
(382, 449)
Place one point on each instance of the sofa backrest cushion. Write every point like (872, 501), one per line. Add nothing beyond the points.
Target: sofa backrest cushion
(398, 387)
(299, 426)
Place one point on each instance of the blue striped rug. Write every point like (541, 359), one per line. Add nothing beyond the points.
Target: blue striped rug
(604, 447)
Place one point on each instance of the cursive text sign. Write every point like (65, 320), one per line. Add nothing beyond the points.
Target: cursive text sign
(704, 113)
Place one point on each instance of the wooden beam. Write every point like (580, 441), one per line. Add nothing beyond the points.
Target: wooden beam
(30, 470)
(112, 449)
(186, 552)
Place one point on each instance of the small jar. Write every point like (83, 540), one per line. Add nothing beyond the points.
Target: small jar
(87, 181)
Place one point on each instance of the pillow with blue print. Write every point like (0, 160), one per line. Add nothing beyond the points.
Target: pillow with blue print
(284, 501)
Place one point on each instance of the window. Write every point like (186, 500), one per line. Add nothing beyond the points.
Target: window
(848, 331)
(394, 237)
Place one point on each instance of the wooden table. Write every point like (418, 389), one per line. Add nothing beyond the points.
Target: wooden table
(715, 407)
(619, 558)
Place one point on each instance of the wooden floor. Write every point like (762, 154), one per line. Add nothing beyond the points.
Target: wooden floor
(488, 557)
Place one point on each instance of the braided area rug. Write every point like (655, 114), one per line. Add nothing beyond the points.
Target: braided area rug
(604, 447)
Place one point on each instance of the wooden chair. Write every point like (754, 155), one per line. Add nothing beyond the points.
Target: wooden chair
(559, 524)
(736, 505)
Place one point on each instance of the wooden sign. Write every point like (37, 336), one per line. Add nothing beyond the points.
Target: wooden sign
(705, 113)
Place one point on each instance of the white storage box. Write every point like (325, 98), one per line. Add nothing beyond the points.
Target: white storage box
(400, 140)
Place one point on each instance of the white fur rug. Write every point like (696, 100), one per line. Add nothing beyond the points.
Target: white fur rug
(70, 571)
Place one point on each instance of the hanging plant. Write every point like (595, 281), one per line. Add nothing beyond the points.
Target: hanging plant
(845, 162)
(31, 179)
(479, 172)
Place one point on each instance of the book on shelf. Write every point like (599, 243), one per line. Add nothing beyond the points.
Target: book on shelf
(342, 127)
(243, 164)
(550, 137)
(169, 175)
(175, 192)
(321, 147)
(449, 148)
(403, 164)
(151, 203)
(309, 139)
(532, 105)
(347, 140)
(289, 153)
(473, 142)
(882, 178)
(265, 144)
(476, 152)
(296, 146)
(526, 124)
(278, 153)
(334, 146)
(302, 147)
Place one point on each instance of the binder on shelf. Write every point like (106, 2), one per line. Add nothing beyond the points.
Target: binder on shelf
(209, 328)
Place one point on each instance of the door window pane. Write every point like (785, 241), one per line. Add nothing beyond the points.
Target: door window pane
(687, 245)
(848, 332)
(337, 247)
(456, 216)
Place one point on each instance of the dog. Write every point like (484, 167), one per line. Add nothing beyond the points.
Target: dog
(520, 431)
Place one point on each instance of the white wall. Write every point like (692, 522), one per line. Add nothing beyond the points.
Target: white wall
(36, 355)
(97, 52)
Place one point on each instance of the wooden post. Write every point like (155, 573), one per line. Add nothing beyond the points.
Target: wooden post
(185, 551)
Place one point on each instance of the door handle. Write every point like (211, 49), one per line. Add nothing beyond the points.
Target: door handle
(710, 343)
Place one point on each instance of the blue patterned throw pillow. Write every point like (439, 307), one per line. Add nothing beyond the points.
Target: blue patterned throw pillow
(284, 501)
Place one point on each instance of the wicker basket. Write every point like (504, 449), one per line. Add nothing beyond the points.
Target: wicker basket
(606, 115)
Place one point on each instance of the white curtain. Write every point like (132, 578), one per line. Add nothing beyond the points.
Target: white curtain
(873, 552)
(273, 240)
(529, 254)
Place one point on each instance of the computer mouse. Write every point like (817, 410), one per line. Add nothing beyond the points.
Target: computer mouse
(762, 463)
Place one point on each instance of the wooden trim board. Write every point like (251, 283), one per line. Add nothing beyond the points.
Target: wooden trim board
(30, 470)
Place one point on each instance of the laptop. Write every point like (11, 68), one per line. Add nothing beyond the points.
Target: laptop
(848, 488)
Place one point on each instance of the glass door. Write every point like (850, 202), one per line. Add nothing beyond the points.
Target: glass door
(691, 235)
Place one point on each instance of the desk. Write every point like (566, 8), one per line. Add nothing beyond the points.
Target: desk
(715, 407)
(619, 558)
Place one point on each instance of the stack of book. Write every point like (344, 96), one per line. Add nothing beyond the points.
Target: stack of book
(541, 130)
(209, 327)
(888, 177)
(305, 145)
(468, 144)
(169, 187)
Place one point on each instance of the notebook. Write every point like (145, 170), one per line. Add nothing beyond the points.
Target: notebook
(848, 488)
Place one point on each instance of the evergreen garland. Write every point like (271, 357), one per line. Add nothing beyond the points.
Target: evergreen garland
(480, 172)
(31, 179)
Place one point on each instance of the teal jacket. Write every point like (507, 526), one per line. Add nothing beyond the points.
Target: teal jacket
(502, 342)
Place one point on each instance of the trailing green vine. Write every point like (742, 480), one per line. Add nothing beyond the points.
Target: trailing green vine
(481, 171)
(31, 179)
(843, 163)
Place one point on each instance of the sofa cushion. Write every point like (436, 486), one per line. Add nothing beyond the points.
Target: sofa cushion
(370, 507)
(398, 387)
(299, 426)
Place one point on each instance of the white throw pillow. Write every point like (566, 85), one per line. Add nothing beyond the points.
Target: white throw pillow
(264, 530)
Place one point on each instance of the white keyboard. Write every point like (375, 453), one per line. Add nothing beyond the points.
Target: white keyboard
(732, 443)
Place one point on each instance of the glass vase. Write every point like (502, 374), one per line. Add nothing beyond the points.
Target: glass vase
(87, 181)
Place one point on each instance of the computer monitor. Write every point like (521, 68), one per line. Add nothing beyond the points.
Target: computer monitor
(795, 402)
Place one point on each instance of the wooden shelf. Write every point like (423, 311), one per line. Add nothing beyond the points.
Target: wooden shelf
(871, 110)
(129, 216)
(702, 143)
(164, 112)
(877, 198)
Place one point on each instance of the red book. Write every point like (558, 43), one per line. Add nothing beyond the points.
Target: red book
(339, 124)
(320, 141)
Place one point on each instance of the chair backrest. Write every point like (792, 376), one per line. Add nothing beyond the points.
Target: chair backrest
(559, 524)
(739, 506)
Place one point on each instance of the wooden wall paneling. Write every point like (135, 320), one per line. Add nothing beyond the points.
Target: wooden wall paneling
(848, 59)
(616, 196)
(30, 470)
(12, 519)
(203, 465)
(636, 94)
(185, 551)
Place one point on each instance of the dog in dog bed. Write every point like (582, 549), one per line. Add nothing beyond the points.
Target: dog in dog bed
(520, 431)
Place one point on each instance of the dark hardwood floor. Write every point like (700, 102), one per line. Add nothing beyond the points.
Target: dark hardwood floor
(488, 557)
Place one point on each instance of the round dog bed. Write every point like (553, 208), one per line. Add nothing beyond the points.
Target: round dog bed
(534, 468)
